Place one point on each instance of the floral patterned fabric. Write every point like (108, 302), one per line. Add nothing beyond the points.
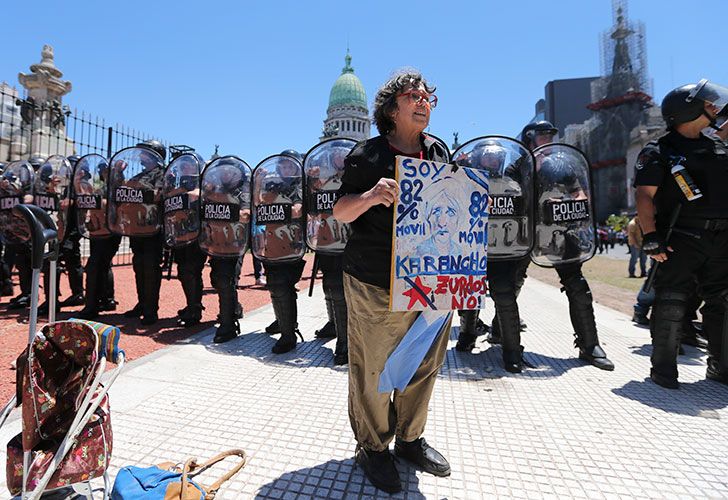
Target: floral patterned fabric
(52, 384)
(87, 459)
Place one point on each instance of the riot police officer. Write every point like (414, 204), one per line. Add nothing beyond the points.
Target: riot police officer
(181, 199)
(280, 246)
(16, 186)
(6, 284)
(224, 235)
(147, 252)
(91, 178)
(511, 171)
(323, 169)
(552, 170)
(56, 179)
(681, 180)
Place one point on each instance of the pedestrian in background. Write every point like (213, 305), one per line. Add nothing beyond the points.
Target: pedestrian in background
(634, 240)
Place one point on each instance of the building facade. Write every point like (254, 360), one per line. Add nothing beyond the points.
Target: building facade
(347, 114)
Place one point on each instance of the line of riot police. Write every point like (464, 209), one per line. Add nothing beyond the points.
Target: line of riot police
(214, 211)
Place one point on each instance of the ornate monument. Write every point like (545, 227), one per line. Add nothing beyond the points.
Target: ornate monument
(42, 131)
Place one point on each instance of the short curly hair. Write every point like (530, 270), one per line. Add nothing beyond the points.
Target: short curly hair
(385, 102)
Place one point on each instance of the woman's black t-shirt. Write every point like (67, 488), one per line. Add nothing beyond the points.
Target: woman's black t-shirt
(368, 252)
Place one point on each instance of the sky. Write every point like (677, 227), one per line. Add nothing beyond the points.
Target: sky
(255, 77)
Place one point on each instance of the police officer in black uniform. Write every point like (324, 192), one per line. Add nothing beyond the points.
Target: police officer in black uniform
(6, 283)
(69, 258)
(581, 310)
(21, 258)
(282, 279)
(147, 255)
(669, 173)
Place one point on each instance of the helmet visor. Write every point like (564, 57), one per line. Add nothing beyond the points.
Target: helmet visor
(717, 95)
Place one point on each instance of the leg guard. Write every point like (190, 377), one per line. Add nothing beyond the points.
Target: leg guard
(581, 311)
(281, 282)
(503, 294)
(224, 279)
(666, 328)
(715, 327)
(467, 336)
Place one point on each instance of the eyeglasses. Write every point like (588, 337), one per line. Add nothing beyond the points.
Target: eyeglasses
(418, 96)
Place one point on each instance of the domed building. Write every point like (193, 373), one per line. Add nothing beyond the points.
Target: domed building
(347, 114)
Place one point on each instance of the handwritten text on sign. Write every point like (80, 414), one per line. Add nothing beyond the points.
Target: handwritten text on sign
(439, 259)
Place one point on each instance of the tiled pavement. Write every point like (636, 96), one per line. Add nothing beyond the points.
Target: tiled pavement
(563, 429)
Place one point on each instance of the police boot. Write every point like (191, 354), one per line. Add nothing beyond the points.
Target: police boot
(666, 329)
(509, 325)
(6, 289)
(73, 301)
(226, 332)
(467, 336)
(328, 331)
(341, 351)
(19, 302)
(494, 335)
(190, 315)
(640, 318)
(273, 328)
(581, 312)
(284, 306)
(716, 372)
(691, 337)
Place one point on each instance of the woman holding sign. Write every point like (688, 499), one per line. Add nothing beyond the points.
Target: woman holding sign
(401, 113)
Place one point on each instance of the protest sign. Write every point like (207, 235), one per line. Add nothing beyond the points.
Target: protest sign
(440, 237)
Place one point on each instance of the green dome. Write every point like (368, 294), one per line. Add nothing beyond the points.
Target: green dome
(348, 90)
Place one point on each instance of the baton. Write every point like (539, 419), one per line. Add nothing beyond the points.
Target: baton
(655, 264)
(313, 274)
(167, 261)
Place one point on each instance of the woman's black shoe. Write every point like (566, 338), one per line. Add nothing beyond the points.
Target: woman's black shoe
(422, 455)
(379, 468)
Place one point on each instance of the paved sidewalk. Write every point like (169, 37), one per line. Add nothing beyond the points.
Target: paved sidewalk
(564, 429)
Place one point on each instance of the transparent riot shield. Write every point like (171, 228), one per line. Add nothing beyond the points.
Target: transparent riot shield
(510, 166)
(52, 190)
(441, 143)
(181, 200)
(90, 178)
(278, 221)
(16, 186)
(565, 226)
(225, 207)
(134, 194)
(323, 167)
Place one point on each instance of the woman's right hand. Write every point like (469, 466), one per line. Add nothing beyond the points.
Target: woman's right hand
(384, 192)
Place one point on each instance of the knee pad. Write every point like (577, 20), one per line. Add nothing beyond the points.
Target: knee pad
(671, 305)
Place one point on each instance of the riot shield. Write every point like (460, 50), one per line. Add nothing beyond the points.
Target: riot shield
(510, 166)
(134, 193)
(16, 186)
(52, 190)
(565, 226)
(278, 222)
(181, 200)
(90, 179)
(323, 167)
(225, 207)
(441, 143)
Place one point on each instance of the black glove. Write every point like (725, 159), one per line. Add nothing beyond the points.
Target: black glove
(653, 244)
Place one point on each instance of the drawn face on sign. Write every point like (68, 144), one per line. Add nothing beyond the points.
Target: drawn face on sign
(442, 217)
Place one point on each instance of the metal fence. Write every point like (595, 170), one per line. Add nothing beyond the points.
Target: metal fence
(33, 129)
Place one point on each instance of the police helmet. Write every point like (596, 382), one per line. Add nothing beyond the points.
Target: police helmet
(530, 131)
(73, 159)
(37, 161)
(687, 102)
(155, 146)
(293, 153)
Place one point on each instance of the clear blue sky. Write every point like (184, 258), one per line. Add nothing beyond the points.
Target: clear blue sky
(255, 77)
